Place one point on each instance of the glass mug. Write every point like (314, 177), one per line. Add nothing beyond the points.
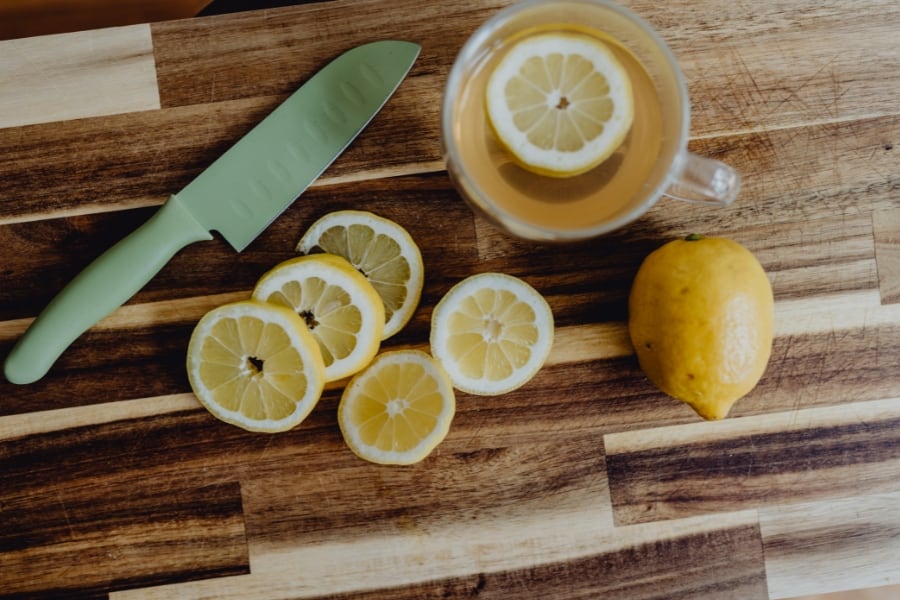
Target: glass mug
(652, 161)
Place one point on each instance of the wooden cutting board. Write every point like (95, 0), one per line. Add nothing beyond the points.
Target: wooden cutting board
(585, 483)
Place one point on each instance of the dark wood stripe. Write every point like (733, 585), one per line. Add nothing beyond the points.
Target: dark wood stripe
(273, 52)
(113, 161)
(123, 534)
(106, 366)
(613, 395)
(139, 159)
(148, 359)
(468, 477)
(463, 480)
(722, 564)
(768, 469)
(852, 538)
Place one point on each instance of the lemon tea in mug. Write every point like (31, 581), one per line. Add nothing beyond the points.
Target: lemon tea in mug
(565, 119)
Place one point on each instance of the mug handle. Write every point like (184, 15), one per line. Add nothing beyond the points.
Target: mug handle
(705, 181)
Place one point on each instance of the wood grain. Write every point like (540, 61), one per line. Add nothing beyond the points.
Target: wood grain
(824, 546)
(886, 228)
(76, 75)
(586, 482)
(762, 461)
(139, 539)
(786, 64)
(574, 559)
(26, 18)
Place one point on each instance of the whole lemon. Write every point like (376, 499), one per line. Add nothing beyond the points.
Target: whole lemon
(700, 319)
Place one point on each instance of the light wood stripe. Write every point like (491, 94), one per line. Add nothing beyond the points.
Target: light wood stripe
(132, 316)
(839, 312)
(74, 75)
(886, 227)
(26, 424)
(488, 546)
(746, 427)
(836, 87)
(822, 547)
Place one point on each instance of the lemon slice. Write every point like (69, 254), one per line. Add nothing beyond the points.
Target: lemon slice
(561, 103)
(255, 365)
(339, 306)
(492, 333)
(398, 409)
(382, 251)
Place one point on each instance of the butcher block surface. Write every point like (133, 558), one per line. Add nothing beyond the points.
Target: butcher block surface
(585, 483)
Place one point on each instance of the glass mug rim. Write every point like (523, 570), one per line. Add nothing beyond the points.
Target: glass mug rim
(471, 192)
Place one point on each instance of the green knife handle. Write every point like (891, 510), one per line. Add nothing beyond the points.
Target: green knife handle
(101, 287)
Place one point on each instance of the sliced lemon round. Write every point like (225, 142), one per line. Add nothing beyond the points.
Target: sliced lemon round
(398, 409)
(339, 306)
(561, 103)
(492, 333)
(381, 250)
(255, 365)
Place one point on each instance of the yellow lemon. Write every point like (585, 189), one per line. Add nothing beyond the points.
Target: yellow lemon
(701, 316)
(492, 332)
(255, 365)
(381, 250)
(338, 304)
(561, 103)
(398, 409)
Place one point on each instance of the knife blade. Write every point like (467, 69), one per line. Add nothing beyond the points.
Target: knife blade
(238, 195)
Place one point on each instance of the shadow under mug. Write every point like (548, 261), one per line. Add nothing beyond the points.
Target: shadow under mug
(675, 172)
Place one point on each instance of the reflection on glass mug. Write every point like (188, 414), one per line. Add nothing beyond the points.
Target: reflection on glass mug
(529, 60)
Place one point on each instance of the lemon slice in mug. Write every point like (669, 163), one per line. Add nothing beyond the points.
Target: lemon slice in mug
(561, 103)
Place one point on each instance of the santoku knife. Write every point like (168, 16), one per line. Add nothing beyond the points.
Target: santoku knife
(239, 195)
